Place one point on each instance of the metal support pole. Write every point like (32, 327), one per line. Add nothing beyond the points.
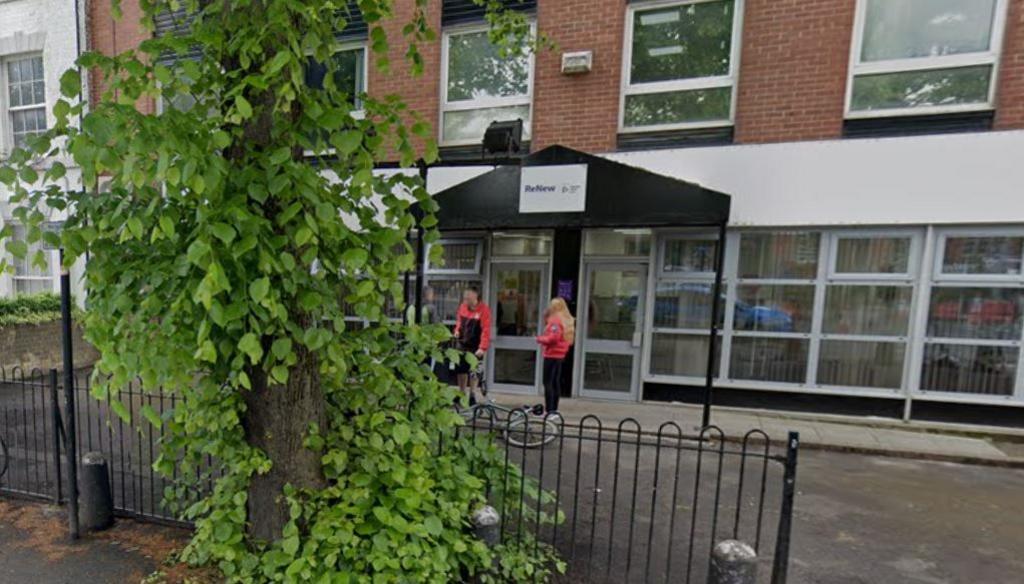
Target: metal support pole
(55, 403)
(69, 398)
(716, 292)
(420, 254)
(780, 565)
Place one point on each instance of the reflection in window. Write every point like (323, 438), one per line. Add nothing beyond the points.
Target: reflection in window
(520, 244)
(517, 301)
(614, 302)
(924, 53)
(683, 355)
(483, 86)
(872, 255)
(608, 372)
(867, 310)
(515, 366)
(687, 50)
(690, 255)
(780, 309)
(975, 313)
(983, 255)
(617, 242)
(969, 369)
(685, 305)
(788, 255)
(769, 359)
(861, 364)
(457, 256)
(346, 71)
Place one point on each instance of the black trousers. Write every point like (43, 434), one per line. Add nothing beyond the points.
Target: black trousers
(552, 383)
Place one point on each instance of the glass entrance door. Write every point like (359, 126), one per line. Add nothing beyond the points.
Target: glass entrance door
(517, 302)
(612, 323)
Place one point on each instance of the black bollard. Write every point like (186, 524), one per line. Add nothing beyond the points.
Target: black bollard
(96, 511)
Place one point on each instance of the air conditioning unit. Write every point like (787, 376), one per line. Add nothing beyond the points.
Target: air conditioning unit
(577, 62)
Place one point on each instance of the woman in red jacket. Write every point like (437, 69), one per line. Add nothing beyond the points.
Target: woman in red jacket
(559, 334)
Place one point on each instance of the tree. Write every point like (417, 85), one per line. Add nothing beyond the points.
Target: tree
(225, 241)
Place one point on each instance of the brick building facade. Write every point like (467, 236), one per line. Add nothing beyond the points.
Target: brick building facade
(875, 256)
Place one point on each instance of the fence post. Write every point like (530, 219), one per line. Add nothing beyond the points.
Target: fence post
(71, 453)
(733, 562)
(780, 566)
(55, 413)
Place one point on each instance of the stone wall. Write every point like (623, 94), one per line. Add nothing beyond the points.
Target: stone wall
(38, 346)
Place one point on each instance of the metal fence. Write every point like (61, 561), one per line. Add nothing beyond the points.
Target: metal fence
(622, 503)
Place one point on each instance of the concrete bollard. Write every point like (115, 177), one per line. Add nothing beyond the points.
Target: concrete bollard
(96, 511)
(733, 562)
(487, 525)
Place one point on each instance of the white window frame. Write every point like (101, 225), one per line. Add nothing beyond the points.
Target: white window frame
(936, 279)
(730, 80)
(53, 259)
(476, 104)
(662, 247)
(6, 124)
(446, 271)
(989, 57)
(912, 261)
(359, 113)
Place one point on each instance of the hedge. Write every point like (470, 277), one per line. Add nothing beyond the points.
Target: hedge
(29, 309)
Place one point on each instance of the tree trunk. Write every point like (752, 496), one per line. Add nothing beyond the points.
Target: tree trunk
(276, 421)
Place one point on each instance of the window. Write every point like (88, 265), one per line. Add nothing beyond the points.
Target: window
(29, 277)
(345, 71)
(461, 268)
(683, 293)
(521, 243)
(617, 242)
(975, 315)
(458, 256)
(924, 56)
(680, 69)
(481, 85)
(24, 98)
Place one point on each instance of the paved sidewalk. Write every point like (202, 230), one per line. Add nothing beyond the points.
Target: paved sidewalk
(946, 442)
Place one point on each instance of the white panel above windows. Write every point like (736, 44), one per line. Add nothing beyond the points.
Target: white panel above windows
(680, 64)
(912, 57)
(480, 84)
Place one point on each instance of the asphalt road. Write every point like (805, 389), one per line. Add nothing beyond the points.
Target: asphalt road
(871, 520)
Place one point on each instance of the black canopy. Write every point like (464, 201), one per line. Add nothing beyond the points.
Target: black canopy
(618, 195)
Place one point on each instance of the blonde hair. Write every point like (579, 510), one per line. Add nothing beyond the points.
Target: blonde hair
(559, 307)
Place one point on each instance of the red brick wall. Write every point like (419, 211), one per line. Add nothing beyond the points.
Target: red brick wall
(791, 83)
(579, 111)
(1010, 89)
(422, 94)
(111, 36)
(793, 70)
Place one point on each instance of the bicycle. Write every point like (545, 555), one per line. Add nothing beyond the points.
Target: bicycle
(524, 426)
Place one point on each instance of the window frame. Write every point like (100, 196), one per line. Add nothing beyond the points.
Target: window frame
(626, 88)
(936, 279)
(857, 68)
(478, 242)
(7, 141)
(477, 104)
(909, 276)
(53, 262)
(360, 112)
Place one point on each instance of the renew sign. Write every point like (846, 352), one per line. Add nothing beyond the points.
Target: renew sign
(553, 189)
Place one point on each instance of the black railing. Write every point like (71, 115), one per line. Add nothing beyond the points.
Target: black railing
(618, 504)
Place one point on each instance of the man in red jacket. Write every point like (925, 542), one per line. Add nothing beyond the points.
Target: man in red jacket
(472, 335)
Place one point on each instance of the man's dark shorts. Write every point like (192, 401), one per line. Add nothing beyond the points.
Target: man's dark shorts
(462, 367)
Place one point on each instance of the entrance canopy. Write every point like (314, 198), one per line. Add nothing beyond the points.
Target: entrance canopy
(601, 193)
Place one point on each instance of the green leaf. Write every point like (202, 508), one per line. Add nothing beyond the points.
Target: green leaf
(17, 248)
(222, 531)
(150, 414)
(281, 348)
(400, 433)
(244, 107)
(433, 525)
(223, 232)
(259, 288)
(348, 141)
(70, 83)
(250, 345)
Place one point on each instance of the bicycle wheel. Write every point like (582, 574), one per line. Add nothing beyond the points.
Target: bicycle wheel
(480, 415)
(528, 431)
(3, 458)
